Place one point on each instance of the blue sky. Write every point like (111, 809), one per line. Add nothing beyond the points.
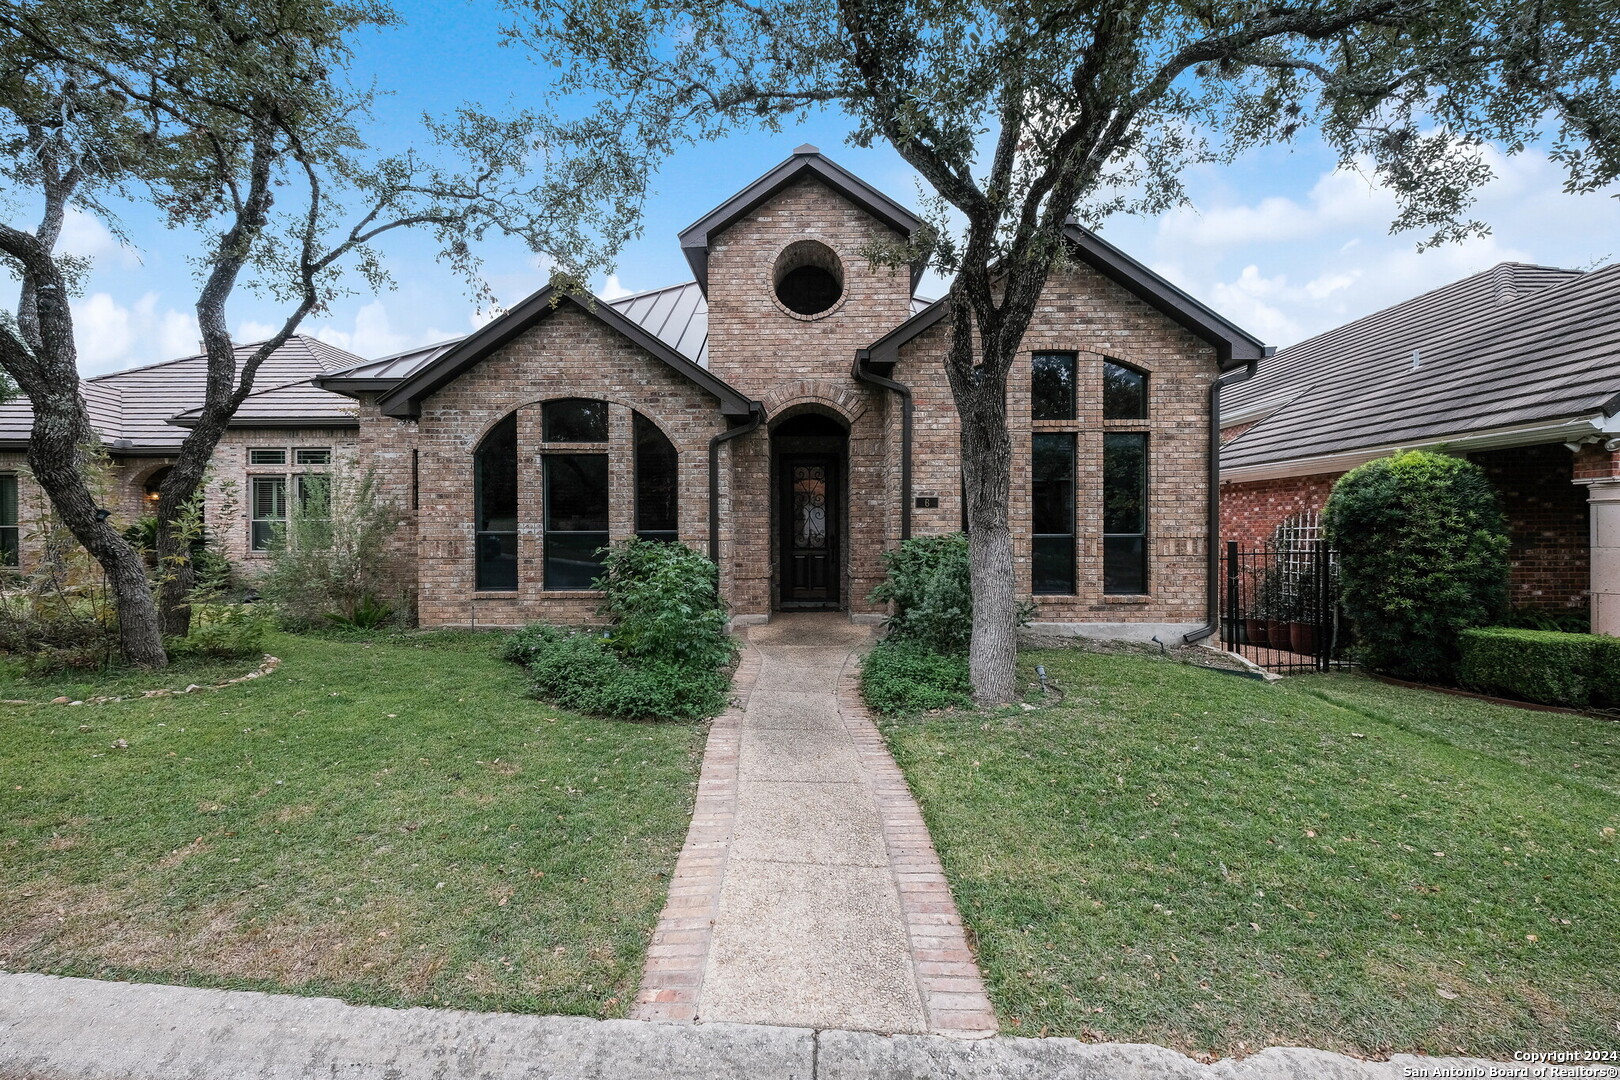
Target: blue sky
(1279, 242)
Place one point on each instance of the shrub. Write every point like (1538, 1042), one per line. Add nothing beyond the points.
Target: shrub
(332, 561)
(1570, 620)
(1423, 555)
(664, 603)
(901, 676)
(224, 632)
(930, 584)
(666, 653)
(1545, 666)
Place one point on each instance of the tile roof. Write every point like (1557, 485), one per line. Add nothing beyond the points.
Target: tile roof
(1512, 345)
(132, 409)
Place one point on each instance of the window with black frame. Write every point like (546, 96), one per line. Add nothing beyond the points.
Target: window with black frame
(576, 519)
(1124, 392)
(657, 482)
(1052, 386)
(10, 539)
(1052, 513)
(495, 539)
(1125, 482)
(574, 420)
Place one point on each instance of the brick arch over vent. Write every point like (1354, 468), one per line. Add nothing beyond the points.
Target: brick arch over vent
(849, 402)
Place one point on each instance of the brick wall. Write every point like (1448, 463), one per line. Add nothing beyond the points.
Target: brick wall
(1086, 313)
(1250, 512)
(1548, 521)
(567, 353)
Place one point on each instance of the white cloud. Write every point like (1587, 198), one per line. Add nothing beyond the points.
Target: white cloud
(373, 334)
(112, 336)
(612, 288)
(87, 237)
(1288, 268)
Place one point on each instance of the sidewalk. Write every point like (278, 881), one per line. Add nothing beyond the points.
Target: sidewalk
(80, 1029)
(808, 893)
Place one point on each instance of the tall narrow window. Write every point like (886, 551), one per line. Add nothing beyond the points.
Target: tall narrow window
(656, 482)
(495, 493)
(1052, 499)
(1125, 512)
(9, 539)
(1124, 392)
(574, 420)
(269, 497)
(1052, 386)
(576, 519)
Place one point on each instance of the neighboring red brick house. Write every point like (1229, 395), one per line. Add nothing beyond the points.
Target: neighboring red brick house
(1516, 368)
(787, 411)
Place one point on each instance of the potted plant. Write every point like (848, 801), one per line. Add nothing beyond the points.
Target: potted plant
(1254, 618)
(1275, 604)
(1302, 625)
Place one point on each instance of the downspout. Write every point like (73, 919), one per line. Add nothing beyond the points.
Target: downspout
(1231, 378)
(756, 415)
(866, 374)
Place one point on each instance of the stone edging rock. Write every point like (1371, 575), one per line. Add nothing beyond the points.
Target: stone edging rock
(271, 663)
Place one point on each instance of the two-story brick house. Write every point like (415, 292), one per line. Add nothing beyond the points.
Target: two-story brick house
(787, 411)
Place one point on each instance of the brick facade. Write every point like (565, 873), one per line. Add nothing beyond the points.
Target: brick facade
(566, 354)
(1086, 313)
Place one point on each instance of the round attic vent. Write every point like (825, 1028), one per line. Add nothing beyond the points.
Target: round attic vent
(808, 277)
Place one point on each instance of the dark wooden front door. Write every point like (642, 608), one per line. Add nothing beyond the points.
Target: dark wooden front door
(808, 517)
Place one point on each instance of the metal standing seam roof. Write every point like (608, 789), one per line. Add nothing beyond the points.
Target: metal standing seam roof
(1513, 345)
(133, 409)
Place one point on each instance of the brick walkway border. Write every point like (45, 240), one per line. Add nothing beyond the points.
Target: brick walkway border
(673, 977)
(953, 994)
(948, 980)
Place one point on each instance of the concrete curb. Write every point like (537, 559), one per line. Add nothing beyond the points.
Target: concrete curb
(54, 1028)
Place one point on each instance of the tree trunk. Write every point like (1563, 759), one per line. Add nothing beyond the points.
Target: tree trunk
(987, 474)
(55, 454)
(176, 579)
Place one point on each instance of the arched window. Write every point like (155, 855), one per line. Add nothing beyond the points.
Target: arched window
(496, 514)
(657, 482)
(1124, 392)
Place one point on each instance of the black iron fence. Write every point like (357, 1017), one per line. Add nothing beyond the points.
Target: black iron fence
(1281, 606)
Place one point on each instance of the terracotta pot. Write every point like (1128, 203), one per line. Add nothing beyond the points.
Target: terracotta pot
(1277, 633)
(1255, 630)
(1302, 636)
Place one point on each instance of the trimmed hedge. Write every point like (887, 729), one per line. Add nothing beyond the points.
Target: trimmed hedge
(1544, 666)
(900, 676)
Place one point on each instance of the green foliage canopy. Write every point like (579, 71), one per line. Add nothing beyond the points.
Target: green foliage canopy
(1423, 555)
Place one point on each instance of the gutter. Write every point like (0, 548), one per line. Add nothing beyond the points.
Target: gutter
(1231, 378)
(756, 416)
(864, 373)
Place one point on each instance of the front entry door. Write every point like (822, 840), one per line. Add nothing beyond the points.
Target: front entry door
(809, 518)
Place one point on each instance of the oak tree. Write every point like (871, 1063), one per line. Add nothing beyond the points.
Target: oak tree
(234, 122)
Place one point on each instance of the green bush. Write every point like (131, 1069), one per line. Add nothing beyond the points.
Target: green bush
(224, 632)
(1545, 666)
(1423, 556)
(334, 558)
(664, 603)
(901, 676)
(665, 655)
(930, 584)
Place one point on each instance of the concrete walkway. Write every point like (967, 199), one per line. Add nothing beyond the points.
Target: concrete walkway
(80, 1029)
(808, 893)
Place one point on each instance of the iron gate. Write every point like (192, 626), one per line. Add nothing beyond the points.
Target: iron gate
(1281, 605)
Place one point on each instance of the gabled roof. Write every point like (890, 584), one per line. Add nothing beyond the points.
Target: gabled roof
(404, 400)
(1233, 346)
(132, 410)
(1510, 347)
(807, 161)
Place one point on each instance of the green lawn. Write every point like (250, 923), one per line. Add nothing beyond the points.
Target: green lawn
(1190, 858)
(391, 823)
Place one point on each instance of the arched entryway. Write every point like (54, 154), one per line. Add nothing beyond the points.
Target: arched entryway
(810, 470)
